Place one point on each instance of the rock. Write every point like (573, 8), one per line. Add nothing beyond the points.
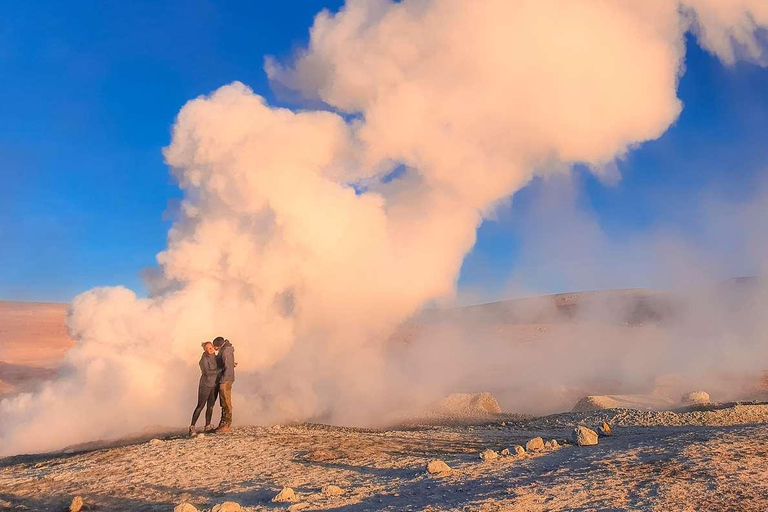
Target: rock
(298, 506)
(555, 444)
(185, 507)
(76, 505)
(155, 441)
(584, 436)
(534, 444)
(548, 445)
(604, 430)
(519, 450)
(505, 452)
(488, 455)
(436, 467)
(200, 436)
(335, 490)
(695, 398)
(286, 494)
(468, 405)
(639, 402)
(227, 506)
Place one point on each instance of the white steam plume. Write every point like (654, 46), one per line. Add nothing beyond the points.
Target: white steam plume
(292, 244)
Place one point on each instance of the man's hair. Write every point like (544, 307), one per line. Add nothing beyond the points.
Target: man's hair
(218, 341)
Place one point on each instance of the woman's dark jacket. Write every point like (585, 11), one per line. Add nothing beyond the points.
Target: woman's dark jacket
(210, 370)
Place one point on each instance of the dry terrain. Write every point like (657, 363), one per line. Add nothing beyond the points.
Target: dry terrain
(695, 460)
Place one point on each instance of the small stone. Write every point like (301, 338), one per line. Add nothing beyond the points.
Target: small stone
(185, 507)
(227, 506)
(155, 441)
(298, 506)
(555, 444)
(584, 436)
(605, 429)
(76, 505)
(200, 436)
(505, 452)
(436, 467)
(487, 455)
(335, 490)
(534, 444)
(519, 450)
(548, 445)
(286, 494)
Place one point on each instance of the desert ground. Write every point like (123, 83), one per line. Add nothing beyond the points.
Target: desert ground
(696, 460)
(659, 454)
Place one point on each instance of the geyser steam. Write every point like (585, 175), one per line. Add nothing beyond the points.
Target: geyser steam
(296, 242)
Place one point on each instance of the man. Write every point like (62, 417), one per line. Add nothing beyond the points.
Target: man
(226, 361)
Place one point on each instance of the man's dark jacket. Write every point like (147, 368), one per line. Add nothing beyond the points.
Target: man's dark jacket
(226, 360)
(209, 369)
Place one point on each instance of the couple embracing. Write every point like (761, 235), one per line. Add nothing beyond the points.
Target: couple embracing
(217, 365)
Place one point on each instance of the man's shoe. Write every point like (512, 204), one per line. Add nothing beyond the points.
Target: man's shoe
(209, 428)
(224, 429)
(192, 431)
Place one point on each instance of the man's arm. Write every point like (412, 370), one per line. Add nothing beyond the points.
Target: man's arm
(228, 358)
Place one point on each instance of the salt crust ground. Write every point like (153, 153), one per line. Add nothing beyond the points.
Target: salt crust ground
(700, 459)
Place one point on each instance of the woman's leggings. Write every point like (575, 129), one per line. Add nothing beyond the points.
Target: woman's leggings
(205, 396)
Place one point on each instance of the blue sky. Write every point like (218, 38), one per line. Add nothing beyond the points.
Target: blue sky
(88, 96)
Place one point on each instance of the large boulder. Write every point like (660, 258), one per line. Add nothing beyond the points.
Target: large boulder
(286, 494)
(335, 490)
(438, 467)
(534, 444)
(227, 506)
(695, 398)
(584, 436)
(468, 405)
(76, 505)
(640, 402)
(185, 507)
(488, 455)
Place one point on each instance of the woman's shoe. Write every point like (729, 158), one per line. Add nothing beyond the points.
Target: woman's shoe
(192, 431)
(209, 428)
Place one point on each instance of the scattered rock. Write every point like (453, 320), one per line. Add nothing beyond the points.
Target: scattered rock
(298, 506)
(185, 507)
(76, 505)
(436, 467)
(505, 452)
(200, 436)
(555, 444)
(519, 450)
(335, 490)
(286, 494)
(548, 445)
(584, 436)
(695, 398)
(227, 506)
(468, 404)
(534, 444)
(487, 455)
(604, 430)
(155, 441)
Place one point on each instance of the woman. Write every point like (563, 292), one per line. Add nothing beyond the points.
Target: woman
(208, 389)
